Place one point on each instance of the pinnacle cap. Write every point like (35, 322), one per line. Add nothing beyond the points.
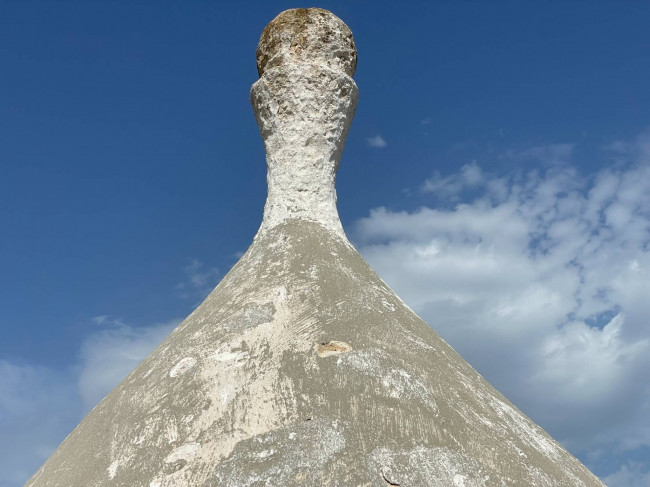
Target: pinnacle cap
(307, 35)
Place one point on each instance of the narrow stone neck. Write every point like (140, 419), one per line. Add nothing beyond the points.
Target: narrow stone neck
(304, 112)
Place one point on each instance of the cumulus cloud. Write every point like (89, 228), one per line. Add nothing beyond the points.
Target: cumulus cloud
(376, 142)
(541, 281)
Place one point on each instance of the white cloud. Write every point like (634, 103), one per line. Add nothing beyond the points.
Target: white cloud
(541, 281)
(552, 154)
(107, 356)
(198, 281)
(451, 187)
(630, 475)
(39, 406)
(377, 142)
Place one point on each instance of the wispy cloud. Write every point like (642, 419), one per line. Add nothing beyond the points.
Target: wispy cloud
(551, 154)
(632, 474)
(541, 281)
(198, 280)
(39, 405)
(376, 142)
(108, 355)
(451, 187)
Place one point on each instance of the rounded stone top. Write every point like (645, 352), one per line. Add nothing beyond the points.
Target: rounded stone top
(307, 35)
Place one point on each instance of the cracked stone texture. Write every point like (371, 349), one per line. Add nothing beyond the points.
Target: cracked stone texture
(307, 36)
(239, 395)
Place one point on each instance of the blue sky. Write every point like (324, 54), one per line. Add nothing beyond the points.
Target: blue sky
(496, 175)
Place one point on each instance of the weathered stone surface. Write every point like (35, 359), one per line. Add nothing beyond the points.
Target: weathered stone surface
(304, 103)
(302, 368)
(307, 36)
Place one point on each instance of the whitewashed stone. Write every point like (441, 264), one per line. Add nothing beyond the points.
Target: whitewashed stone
(304, 102)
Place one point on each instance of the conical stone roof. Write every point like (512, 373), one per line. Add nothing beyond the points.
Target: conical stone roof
(302, 368)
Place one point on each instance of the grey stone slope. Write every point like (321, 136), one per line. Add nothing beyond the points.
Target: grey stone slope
(302, 368)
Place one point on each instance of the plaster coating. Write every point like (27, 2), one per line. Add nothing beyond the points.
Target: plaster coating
(304, 103)
(302, 367)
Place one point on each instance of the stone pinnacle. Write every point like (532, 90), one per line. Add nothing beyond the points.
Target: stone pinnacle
(304, 103)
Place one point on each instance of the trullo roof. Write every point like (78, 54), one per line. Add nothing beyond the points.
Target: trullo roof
(302, 368)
